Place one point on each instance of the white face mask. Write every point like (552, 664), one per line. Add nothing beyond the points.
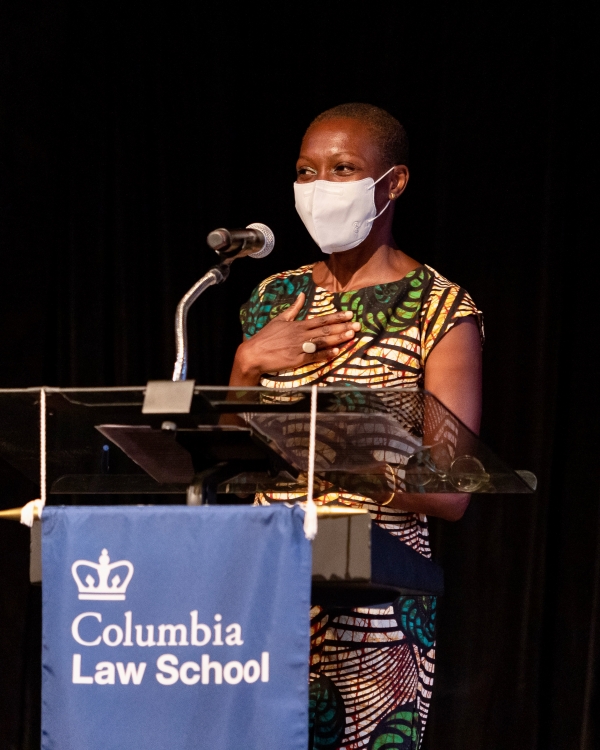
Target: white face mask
(338, 215)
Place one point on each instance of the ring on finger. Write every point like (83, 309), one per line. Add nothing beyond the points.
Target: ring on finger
(309, 347)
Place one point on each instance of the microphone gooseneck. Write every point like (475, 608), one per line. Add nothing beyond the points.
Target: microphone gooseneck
(257, 241)
(216, 275)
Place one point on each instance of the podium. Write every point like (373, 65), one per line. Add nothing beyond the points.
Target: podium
(168, 598)
(178, 443)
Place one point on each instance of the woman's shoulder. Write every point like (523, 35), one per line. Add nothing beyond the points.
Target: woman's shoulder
(445, 305)
(286, 281)
(272, 296)
(440, 288)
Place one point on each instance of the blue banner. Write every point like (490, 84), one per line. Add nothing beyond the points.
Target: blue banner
(175, 628)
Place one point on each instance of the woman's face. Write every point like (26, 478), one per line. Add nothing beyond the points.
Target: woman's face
(339, 150)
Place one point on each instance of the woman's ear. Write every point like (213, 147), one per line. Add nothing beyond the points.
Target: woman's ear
(398, 181)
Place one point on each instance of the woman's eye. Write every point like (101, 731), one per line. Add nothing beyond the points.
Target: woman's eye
(306, 171)
(344, 168)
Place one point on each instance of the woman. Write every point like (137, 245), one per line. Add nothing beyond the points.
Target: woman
(371, 315)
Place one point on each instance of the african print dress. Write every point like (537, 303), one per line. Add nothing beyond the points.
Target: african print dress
(371, 668)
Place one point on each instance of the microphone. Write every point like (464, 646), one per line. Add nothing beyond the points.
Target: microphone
(257, 241)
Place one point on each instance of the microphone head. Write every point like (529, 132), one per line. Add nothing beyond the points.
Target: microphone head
(269, 240)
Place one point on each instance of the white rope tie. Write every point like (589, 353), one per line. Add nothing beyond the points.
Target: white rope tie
(310, 519)
(43, 446)
(34, 507)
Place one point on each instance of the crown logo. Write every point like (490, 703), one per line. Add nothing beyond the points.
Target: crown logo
(98, 586)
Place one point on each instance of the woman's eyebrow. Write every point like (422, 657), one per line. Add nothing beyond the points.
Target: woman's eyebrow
(344, 154)
(336, 155)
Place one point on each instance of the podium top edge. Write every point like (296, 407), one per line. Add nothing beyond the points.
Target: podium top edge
(197, 388)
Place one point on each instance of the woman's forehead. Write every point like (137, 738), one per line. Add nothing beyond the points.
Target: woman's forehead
(341, 136)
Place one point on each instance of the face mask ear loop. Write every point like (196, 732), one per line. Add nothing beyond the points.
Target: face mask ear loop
(370, 221)
(381, 178)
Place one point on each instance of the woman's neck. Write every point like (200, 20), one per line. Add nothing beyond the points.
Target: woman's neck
(362, 267)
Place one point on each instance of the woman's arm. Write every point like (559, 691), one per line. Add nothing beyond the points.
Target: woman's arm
(278, 346)
(453, 375)
(453, 372)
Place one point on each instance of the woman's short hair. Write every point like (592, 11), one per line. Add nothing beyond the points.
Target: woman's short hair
(389, 133)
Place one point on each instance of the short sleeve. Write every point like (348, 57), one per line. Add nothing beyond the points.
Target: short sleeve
(251, 315)
(272, 296)
(446, 305)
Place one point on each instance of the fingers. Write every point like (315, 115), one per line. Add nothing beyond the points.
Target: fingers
(330, 335)
(339, 337)
(293, 310)
(324, 320)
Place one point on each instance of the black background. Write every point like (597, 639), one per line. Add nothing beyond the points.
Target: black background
(130, 130)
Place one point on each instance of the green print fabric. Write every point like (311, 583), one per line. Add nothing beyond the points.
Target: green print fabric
(373, 307)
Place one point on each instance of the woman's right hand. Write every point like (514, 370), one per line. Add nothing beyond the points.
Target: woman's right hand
(278, 346)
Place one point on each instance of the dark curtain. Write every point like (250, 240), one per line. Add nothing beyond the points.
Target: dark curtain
(128, 131)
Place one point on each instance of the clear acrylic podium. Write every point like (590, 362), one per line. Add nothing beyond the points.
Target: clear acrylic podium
(174, 442)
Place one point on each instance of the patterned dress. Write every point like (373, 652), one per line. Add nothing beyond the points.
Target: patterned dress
(371, 668)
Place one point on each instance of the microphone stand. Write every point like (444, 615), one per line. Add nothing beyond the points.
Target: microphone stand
(215, 275)
(228, 245)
